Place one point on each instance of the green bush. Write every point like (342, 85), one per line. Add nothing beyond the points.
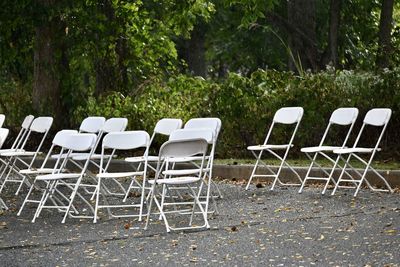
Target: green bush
(246, 105)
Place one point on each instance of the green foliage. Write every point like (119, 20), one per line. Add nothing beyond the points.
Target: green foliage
(15, 103)
(246, 105)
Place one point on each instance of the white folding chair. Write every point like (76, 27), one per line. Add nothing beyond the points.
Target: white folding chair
(41, 126)
(163, 127)
(342, 117)
(50, 183)
(378, 117)
(17, 144)
(130, 140)
(109, 126)
(214, 124)
(287, 115)
(59, 138)
(187, 178)
(209, 136)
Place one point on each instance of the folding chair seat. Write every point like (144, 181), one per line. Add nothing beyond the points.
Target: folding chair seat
(378, 117)
(288, 116)
(192, 181)
(163, 127)
(341, 117)
(41, 126)
(126, 141)
(54, 186)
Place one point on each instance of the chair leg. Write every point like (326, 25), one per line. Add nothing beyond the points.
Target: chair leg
(74, 192)
(26, 199)
(97, 200)
(142, 199)
(3, 204)
(149, 207)
(196, 201)
(308, 173)
(341, 175)
(43, 200)
(254, 171)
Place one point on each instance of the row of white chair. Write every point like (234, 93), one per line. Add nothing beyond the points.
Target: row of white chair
(59, 185)
(378, 117)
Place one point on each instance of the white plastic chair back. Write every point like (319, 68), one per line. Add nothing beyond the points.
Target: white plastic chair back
(183, 148)
(205, 123)
(92, 124)
(167, 126)
(3, 135)
(27, 122)
(115, 125)
(344, 116)
(289, 115)
(80, 141)
(126, 140)
(187, 134)
(19, 141)
(61, 138)
(378, 116)
(41, 124)
(2, 118)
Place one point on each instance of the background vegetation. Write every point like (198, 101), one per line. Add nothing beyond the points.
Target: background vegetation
(238, 60)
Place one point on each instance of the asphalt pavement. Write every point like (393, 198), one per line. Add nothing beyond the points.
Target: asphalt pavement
(257, 227)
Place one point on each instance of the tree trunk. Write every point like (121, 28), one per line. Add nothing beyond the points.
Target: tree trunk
(384, 35)
(193, 51)
(106, 79)
(303, 40)
(46, 73)
(331, 55)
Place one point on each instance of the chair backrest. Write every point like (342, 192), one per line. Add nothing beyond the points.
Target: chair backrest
(126, 140)
(115, 125)
(344, 116)
(27, 122)
(3, 135)
(187, 134)
(61, 137)
(22, 135)
(41, 124)
(92, 124)
(378, 116)
(205, 123)
(288, 115)
(80, 141)
(183, 148)
(167, 126)
(2, 118)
